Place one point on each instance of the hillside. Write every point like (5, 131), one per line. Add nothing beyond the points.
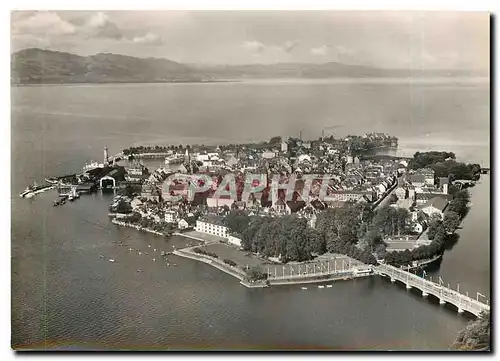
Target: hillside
(31, 66)
(37, 66)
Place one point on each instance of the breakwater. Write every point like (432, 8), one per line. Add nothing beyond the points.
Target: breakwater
(186, 253)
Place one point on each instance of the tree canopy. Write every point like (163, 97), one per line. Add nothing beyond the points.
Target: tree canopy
(451, 221)
(476, 335)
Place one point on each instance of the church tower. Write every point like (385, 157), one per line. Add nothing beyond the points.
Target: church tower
(187, 161)
(106, 157)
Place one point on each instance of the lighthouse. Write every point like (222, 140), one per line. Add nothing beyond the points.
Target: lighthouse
(106, 155)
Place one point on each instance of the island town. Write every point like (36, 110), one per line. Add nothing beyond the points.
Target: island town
(292, 211)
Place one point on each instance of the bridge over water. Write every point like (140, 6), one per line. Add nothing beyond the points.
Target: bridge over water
(442, 293)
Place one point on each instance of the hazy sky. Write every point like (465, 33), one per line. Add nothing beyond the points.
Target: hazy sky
(385, 39)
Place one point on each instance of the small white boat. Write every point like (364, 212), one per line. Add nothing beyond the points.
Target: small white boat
(154, 250)
(321, 286)
(140, 253)
(111, 260)
(154, 259)
(329, 286)
(149, 245)
(304, 288)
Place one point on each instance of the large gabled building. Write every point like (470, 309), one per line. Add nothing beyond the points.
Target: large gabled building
(436, 205)
(212, 224)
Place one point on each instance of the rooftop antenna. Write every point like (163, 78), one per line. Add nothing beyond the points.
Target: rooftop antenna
(323, 134)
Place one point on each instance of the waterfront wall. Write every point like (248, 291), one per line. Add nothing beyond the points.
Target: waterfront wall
(211, 261)
(331, 277)
(191, 237)
(139, 228)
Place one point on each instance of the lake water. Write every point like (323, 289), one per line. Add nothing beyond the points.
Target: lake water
(64, 295)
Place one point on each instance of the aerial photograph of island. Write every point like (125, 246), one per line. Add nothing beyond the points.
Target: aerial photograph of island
(250, 180)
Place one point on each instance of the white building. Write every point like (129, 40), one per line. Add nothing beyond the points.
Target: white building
(284, 146)
(212, 225)
(268, 154)
(170, 216)
(182, 224)
(411, 193)
(234, 241)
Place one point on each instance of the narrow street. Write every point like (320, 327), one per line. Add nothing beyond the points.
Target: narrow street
(385, 200)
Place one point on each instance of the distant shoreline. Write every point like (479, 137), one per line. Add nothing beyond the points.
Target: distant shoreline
(125, 82)
(428, 79)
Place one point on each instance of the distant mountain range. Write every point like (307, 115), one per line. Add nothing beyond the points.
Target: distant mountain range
(37, 66)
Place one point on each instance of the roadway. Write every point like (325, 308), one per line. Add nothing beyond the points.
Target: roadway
(387, 197)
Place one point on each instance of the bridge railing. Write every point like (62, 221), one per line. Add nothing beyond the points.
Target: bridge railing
(439, 290)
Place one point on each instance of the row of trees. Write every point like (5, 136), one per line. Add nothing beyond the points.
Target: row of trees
(153, 149)
(352, 229)
(342, 228)
(427, 159)
(360, 144)
(459, 203)
(457, 170)
(206, 253)
(288, 237)
(255, 273)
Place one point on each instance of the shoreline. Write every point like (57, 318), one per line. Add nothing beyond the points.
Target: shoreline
(139, 228)
(186, 253)
(190, 237)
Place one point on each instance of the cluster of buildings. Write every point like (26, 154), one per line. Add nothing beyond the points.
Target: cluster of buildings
(419, 191)
(424, 196)
(349, 180)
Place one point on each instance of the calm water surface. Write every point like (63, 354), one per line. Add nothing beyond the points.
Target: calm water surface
(64, 295)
